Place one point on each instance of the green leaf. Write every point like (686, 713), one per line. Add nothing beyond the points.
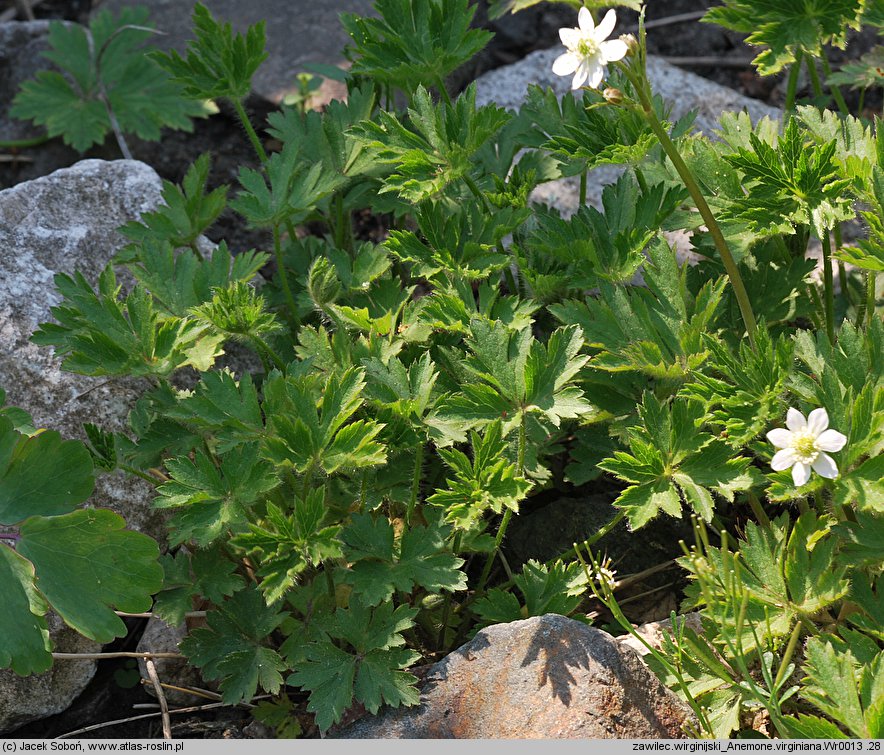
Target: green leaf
(231, 649)
(436, 150)
(222, 406)
(834, 681)
(380, 566)
(369, 671)
(656, 331)
(308, 423)
(180, 281)
(488, 481)
(460, 241)
(792, 183)
(866, 71)
(26, 647)
(188, 211)
(788, 27)
(412, 43)
(101, 334)
(104, 64)
(239, 311)
(212, 500)
(219, 63)
(811, 727)
(286, 544)
(671, 460)
(87, 565)
(207, 573)
(41, 475)
(296, 185)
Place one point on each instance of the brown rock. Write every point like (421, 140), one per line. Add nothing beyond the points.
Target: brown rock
(548, 677)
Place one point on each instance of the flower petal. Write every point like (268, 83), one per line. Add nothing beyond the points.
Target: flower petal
(825, 466)
(615, 49)
(604, 29)
(795, 420)
(580, 75)
(780, 437)
(800, 474)
(817, 421)
(566, 64)
(831, 440)
(585, 22)
(596, 74)
(570, 37)
(783, 459)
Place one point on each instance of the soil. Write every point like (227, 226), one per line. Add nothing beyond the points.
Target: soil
(108, 698)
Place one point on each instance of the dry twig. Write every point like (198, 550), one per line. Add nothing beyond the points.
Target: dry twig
(161, 697)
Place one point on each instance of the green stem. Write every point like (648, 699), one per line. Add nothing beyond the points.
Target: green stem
(343, 225)
(815, 78)
(446, 609)
(477, 192)
(870, 297)
(792, 87)
(586, 544)
(787, 655)
(833, 88)
(508, 514)
(443, 91)
(842, 271)
(693, 188)
(415, 482)
(829, 285)
(24, 143)
(760, 513)
(250, 131)
(264, 349)
(138, 473)
(583, 178)
(330, 584)
(283, 273)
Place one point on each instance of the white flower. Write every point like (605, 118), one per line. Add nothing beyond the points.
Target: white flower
(588, 52)
(803, 445)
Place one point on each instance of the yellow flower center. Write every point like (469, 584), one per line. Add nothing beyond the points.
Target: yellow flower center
(587, 47)
(805, 447)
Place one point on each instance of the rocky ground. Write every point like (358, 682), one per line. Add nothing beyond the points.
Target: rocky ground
(512, 59)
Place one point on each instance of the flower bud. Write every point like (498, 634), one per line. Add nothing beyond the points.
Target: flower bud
(612, 95)
(631, 43)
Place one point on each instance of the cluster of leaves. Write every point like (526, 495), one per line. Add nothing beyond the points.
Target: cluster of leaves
(105, 82)
(339, 511)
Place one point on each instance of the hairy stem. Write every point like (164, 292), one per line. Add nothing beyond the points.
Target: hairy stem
(508, 514)
(415, 482)
(792, 88)
(829, 285)
(250, 130)
(693, 188)
(283, 273)
(834, 89)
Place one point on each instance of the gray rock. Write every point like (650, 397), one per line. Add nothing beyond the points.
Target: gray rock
(29, 698)
(298, 32)
(684, 91)
(653, 632)
(64, 222)
(21, 45)
(160, 637)
(547, 677)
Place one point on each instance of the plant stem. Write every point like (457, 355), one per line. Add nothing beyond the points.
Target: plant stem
(792, 88)
(477, 192)
(842, 271)
(330, 584)
(508, 514)
(283, 273)
(693, 188)
(24, 143)
(815, 78)
(250, 130)
(759, 512)
(415, 482)
(829, 284)
(583, 179)
(586, 544)
(834, 89)
(787, 655)
(264, 347)
(446, 609)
